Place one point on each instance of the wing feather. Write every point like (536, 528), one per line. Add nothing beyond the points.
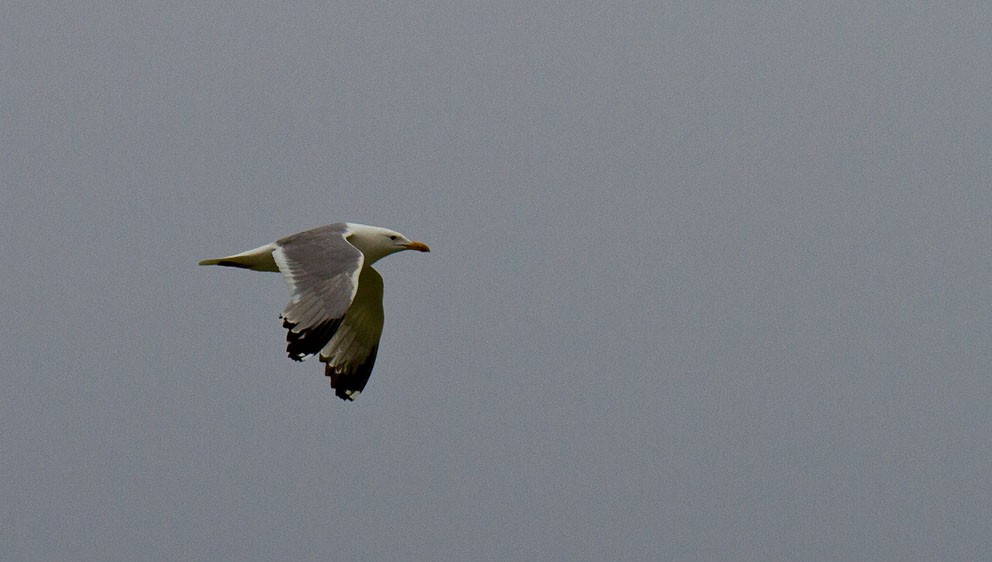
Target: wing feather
(350, 354)
(322, 271)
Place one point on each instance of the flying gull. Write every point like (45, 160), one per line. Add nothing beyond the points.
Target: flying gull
(335, 307)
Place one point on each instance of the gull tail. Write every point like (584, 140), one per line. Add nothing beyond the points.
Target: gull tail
(259, 259)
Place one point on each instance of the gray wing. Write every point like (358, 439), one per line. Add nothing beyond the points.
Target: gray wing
(350, 354)
(321, 269)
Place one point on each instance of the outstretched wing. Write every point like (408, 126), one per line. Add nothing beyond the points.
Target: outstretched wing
(322, 271)
(350, 354)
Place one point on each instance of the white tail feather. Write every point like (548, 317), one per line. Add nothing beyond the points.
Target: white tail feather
(259, 259)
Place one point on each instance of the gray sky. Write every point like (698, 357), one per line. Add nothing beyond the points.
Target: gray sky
(709, 282)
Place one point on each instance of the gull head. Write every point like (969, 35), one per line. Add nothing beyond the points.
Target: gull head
(377, 243)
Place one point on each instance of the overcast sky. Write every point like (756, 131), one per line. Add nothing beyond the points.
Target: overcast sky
(708, 282)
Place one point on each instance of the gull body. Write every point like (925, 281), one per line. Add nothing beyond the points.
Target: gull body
(335, 307)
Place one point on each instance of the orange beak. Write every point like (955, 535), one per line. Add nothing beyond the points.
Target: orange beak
(419, 246)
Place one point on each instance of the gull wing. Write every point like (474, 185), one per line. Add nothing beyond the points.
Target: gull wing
(322, 271)
(350, 353)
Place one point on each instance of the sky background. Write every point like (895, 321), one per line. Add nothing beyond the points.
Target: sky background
(709, 281)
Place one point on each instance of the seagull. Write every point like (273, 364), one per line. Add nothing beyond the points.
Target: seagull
(335, 305)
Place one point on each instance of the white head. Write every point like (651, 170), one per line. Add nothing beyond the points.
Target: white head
(377, 243)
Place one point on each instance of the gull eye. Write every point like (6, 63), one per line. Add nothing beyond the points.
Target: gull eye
(393, 237)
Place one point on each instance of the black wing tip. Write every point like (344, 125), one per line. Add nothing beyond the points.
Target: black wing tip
(348, 385)
(302, 344)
